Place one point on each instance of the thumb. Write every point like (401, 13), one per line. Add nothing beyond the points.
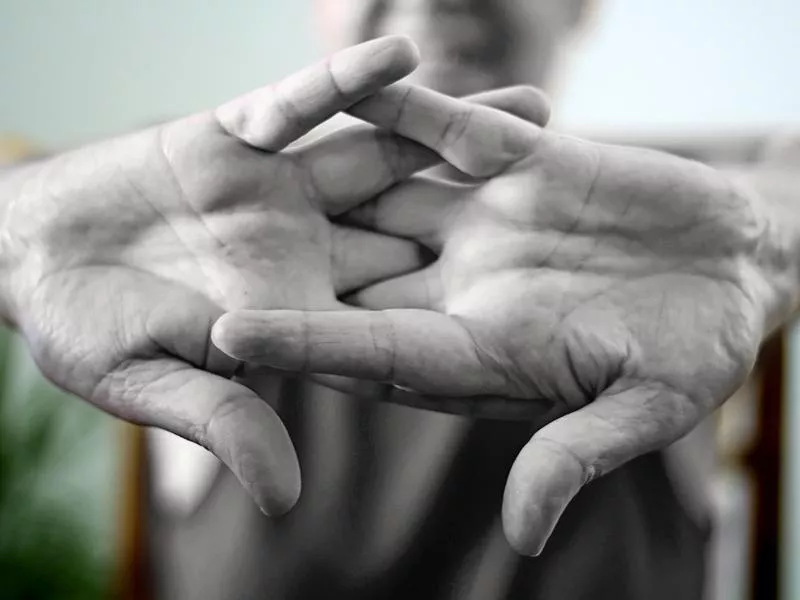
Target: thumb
(223, 416)
(272, 117)
(185, 388)
(624, 422)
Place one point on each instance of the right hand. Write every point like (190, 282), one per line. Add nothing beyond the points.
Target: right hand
(627, 288)
(119, 257)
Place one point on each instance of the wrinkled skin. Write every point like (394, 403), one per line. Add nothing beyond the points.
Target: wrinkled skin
(119, 257)
(629, 288)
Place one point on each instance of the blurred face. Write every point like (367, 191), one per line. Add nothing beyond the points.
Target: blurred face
(466, 45)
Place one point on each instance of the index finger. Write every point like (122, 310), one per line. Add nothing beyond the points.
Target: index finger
(382, 158)
(479, 140)
(272, 117)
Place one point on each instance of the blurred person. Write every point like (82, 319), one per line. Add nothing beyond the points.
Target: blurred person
(402, 502)
(396, 501)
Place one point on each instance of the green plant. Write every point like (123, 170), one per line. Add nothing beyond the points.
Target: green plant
(47, 550)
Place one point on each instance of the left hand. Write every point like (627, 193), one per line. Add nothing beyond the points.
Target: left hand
(118, 257)
(630, 288)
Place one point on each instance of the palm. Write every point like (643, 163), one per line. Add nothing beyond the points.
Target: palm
(568, 291)
(626, 287)
(191, 214)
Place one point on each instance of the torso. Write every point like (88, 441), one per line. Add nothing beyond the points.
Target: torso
(403, 503)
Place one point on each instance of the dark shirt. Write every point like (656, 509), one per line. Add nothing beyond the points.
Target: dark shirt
(404, 503)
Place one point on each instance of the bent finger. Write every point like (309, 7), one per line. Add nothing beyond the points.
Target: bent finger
(270, 118)
(225, 417)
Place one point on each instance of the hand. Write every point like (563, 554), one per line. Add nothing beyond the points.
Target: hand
(629, 288)
(119, 257)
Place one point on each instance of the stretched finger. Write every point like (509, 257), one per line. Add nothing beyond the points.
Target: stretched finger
(272, 117)
(561, 458)
(478, 140)
(359, 258)
(420, 350)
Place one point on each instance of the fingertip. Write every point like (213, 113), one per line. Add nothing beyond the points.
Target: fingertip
(239, 332)
(520, 542)
(369, 297)
(539, 102)
(276, 491)
(521, 530)
(381, 61)
(499, 141)
(524, 101)
(403, 51)
(277, 338)
(233, 117)
(520, 142)
(542, 482)
(249, 437)
(278, 502)
(226, 331)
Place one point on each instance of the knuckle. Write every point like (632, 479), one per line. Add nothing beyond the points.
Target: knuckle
(456, 129)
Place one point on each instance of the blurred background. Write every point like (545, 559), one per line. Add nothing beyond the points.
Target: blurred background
(73, 71)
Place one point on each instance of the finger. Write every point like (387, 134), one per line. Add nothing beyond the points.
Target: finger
(272, 117)
(357, 163)
(523, 101)
(359, 258)
(526, 102)
(379, 159)
(561, 458)
(479, 140)
(420, 289)
(225, 417)
(420, 208)
(420, 350)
